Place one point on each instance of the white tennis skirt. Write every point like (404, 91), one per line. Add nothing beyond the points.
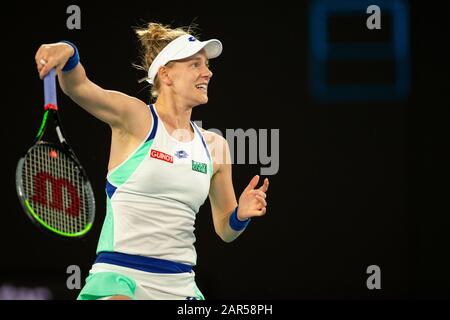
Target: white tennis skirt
(106, 280)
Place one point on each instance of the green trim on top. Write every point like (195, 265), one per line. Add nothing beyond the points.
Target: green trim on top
(211, 168)
(126, 169)
(59, 232)
(106, 240)
(118, 177)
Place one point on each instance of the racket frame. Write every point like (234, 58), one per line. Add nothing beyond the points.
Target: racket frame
(51, 109)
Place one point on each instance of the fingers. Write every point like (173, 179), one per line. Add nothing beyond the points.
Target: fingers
(265, 185)
(256, 204)
(258, 213)
(261, 200)
(254, 200)
(40, 64)
(258, 192)
(253, 183)
(46, 66)
(51, 56)
(38, 53)
(40, 60)
(260, 197)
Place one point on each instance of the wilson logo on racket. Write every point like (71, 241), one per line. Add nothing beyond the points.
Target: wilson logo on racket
(161, 156)
(51, 184)
(57, 202)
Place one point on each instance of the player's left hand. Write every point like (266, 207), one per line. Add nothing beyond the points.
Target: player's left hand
(252, 202)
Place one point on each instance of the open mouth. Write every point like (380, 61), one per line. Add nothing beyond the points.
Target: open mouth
(202, 87)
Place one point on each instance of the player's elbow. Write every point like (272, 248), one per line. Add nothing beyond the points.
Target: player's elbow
(226, 239)
(221, 226)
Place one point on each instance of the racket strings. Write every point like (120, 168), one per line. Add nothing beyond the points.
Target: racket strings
(56, 189)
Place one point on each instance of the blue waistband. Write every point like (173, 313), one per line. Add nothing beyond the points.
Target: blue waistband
(147, 264)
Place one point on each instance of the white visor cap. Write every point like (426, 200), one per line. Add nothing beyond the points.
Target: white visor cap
(183, 47)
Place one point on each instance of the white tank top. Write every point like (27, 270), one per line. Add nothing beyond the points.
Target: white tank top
(152, 198)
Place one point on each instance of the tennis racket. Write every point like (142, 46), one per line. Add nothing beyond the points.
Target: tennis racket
(52, 186)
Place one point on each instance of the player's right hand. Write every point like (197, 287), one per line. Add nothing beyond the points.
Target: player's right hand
(54, 55)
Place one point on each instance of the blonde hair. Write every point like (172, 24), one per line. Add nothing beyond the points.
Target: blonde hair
(153, 38)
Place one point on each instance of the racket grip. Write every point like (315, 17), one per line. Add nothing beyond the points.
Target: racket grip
(50, 88)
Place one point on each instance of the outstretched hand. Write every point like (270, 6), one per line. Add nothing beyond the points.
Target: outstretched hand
(252, 202)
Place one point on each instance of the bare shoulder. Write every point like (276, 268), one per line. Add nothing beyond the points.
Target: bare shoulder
(130, 131)
(136, 105)
(135, 117)
(218, 146)
(140, 108)
(212, 137)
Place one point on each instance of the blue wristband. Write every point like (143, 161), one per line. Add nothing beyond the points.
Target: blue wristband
(235, 223)
(73, 60)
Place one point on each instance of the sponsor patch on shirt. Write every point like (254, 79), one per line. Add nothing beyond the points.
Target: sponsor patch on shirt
(181, 154)
(199, 166)
(161, 156)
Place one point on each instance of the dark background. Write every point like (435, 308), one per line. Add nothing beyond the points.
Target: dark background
(361, 182)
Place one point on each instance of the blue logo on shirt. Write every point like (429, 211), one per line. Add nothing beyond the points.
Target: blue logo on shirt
(192, 39)
(181, 154)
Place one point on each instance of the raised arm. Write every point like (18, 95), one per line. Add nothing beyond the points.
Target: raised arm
(116, 109)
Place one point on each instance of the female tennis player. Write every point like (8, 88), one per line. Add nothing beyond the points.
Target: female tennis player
(161, 168)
